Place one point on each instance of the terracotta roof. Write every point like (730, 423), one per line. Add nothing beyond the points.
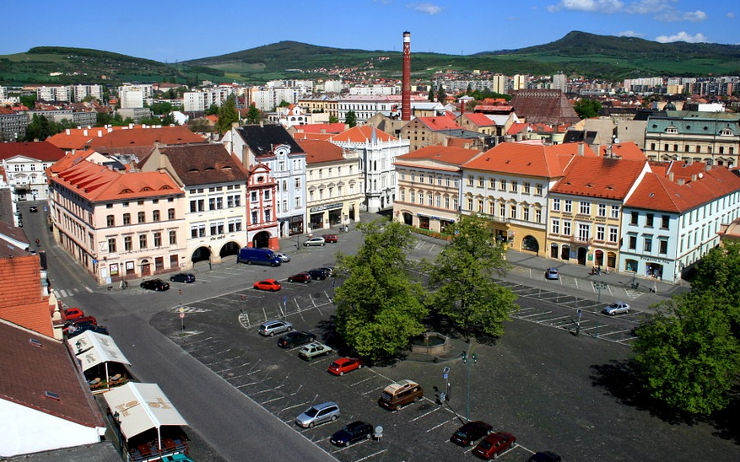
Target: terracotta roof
(34, 316)
(99, 183)
(335, 128)
(544, 106)
(20, 280)
(41, 150)
(203, 163)
(629, 151)
(262, 139)
(146, 137)
(362, 134)
(69, 160)
(438, 122)
(517, 127)
(479, 119)
(321, 151)
(525, 159)
(599, 177)
(493, 108)
(447, 154)
(657, 192)
(299, 136)
(39, 365)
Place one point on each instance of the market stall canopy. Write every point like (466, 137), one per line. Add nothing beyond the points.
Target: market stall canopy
(92, 348)
(141, 406)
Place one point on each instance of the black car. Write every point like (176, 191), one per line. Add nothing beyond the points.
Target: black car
(318, 273)
(33, 209)
(329, 270)
(471, 432)
(545, 456)
(84, 327)
(352, 433)
(155, 284)
(295, 338)
(183, 277)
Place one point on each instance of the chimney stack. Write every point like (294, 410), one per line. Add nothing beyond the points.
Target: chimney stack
(580, 149)
(670, 177)
(462, 107)
(406, 82)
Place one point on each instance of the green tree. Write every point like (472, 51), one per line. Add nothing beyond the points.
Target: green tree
(161, 108)
(227, 115)
(430, 97)
(253, 115)
(441, 95)
(718, 274)
(28, 100)
(283, 103)
(587, 108)
(333, 119)
(462, 279)
(351, 119)
(39, 128)
(200, 125)
(687, 355)
(213, 110)
(379, 309)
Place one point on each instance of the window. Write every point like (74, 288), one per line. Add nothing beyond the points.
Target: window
(538, 188)
(665, 221)
(157, 239)
(615, 211)
(584, 208)
(634, 218)
(438, 201)
(602, 210)
(211, 203)
(514, 186)
(566, 228)
(502, 210)
(142, 241)
(649, 220)
(421, 177)
(254, 216)
(141, 217)
(480, 206)
(110, 220)
(633, 242)
(584, 232)
(525, 213)
(491, 183)
(568, 207)
(219, 203)
(297, 183)
(127, 246)
(403, 195)
(512, 211)
(600, 232)
(555, 226)
(155, 215)
(170, 214)
(648, 247)
(538, 215)
(470, 181)
(502, 185)
(470, 203)
(454, 204)
(526, 188)
(421, 198)
(253, 196)
(112, 245)
(663, 246)
(556, 205)
(173, 237)
(447, 202)
(193, 206)
(429, 199)
(126, 218)
(613, 234)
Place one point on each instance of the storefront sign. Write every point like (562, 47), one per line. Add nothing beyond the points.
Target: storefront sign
(320, 208)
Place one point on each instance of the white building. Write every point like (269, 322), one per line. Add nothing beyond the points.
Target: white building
(365, 107)
(131, 98)
(54, 93)
(83, 91)
(193, 101)
(25, 167)
(375, 90)
(333, 86)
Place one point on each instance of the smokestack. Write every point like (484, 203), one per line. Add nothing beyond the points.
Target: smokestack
(406, 83)
(462, 107)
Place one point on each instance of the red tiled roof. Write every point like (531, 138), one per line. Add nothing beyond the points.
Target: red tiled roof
(335, 128)
(39, 364)
(479, 119)
(629, 151)
(362, 134)
(41, 150)
(20, 281)
(146, 137)
(34, 316)
(298, 136)
(599, 177)
(524, 159)
(321, 151)
(517, 127)
(657, 192)
(447, 154)
(439, 123)
(493, 108)
(543, 106)
(69, 160)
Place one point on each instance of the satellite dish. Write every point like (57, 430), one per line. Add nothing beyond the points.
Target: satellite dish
(616, 140)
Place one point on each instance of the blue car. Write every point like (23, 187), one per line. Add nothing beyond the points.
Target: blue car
(552, 273)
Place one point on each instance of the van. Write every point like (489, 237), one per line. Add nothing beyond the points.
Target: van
(400, 394)
(257, 256)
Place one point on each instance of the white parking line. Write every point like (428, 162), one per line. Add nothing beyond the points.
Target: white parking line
(273, 399)
(374, 389)
(554, 319)
(423, 415)
(443, 423)
(293, 407)
(618, 332)
(361, 381)
(535, 314)
(350, 446)
(371, 455)
(261, 391)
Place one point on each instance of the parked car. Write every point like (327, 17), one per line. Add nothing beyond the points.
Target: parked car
(295, 338)
(183, 277)
(318, 414)
(314, 241)
(83, 320)
(344, 365)
(400, 394)
(329, 270)
(257, 256)
(300, 277)
(471, 432)
(330, 238)
(270, 328)
(352, 433)
(314, 350)
(155, 284)
(71, 314)
(494, 445)
(317, 273)
(616, 308)
(267, 284)
(283, 257)
(545, 456)
(33, 209)
(80, 328)
(176, 458)
(552, 273)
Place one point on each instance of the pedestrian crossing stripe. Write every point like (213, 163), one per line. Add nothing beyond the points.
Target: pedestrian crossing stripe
(189, 309)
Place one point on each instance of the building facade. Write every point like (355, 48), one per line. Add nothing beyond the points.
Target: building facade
(25, 167)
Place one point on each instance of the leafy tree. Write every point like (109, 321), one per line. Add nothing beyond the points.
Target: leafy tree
(161, 108)
(213, 110)
(469, 90)
(253, 115)
(719, 274)
(351, 119)
(283, 103)
(441, 95)
(462, 279)
(39, 128)
(379, 309)
(28, 100)
(430, 97)
(227, 115)
(333, 119)
(688, 356)
(485, 93)
(587, 108)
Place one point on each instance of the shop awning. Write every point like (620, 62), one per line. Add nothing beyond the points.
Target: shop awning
(92, 348)
(139, 407)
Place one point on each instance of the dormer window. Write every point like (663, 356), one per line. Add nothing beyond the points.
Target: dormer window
(726, 132)
(671, 130)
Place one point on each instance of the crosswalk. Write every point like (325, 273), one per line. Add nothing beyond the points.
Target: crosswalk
(64, 293)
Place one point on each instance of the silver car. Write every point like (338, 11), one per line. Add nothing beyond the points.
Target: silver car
(283, 257)
(315, 241)
(616, 308)
(318, 414)
(270, 328)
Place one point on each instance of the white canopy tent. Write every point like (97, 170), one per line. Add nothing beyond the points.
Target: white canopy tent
(92, 349)
(139, 407)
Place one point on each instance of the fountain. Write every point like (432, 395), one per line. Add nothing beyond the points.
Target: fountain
(430, 343)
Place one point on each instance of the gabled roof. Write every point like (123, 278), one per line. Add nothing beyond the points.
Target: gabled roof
(263, 139)
(599, 177)
(629, 151)
(362, 134)
(35, 316)
(140, 136)
(517, 127)
(447, 154)
(300, 136)
(656, 191)
(335, 128)
(525, 159)
(41, 150)
(479, 119)
(39, 365)
(321, 151)
(439, 122)
(544, 106)
(69, 160)
(203, 163)
(20, 280)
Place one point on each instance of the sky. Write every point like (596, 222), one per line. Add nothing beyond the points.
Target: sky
(171, 31)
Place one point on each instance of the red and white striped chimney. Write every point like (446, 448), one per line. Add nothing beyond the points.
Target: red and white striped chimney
(406, 84)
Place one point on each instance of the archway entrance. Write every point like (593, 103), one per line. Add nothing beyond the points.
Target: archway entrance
(230, 248)
(598, 258)
(531, 244)
(582, 252)
(611, 260)
(146, 268)
(261, 239)
(200, 254)
(565, 252)
(408, 219)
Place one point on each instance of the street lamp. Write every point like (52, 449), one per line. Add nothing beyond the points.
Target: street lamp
(599, 285)
(474, 359)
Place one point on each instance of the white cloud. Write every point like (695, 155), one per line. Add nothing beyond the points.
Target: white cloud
(675, 16)
(730, 15)
(648, 6)
(662, 10)
(630, 33)
(598, 6)
(427, 8)
(681, 37)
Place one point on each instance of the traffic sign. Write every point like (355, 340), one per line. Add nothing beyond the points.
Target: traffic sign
(579, 312)
(182, 315)
(182, 310)
(285, 300)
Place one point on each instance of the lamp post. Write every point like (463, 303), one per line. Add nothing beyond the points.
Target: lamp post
(599, 285)
(473, 360)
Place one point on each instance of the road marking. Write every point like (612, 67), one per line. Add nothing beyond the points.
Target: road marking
(361, 381)
(374, 389)
(351, 446)
(273, 399)
(261, 391)
(618, 332)
(443, 423)
(371, 455)
(423, 415)
(89, 290)
(535, 314)
(554, 319)
(293, 407)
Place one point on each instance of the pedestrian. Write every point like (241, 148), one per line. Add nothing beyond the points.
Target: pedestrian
(209, 265)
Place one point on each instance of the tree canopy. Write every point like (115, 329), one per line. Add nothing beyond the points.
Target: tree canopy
(253, 115)
(41, 128)
(379, 308)
(351, 119)
(587, 108)
(227, 115)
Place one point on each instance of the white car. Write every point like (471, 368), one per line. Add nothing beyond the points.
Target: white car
(315, 241)
(283, 258)
(616, 308)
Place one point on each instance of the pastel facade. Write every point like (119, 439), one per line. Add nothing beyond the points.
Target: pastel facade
(25, 167)
(262, 221)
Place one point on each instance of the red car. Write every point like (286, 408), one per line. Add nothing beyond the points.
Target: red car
(330, 238)
(300, 277)
(342, 365)
(267, 284)
(494, 445)
(71, 314)
(72, 325)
